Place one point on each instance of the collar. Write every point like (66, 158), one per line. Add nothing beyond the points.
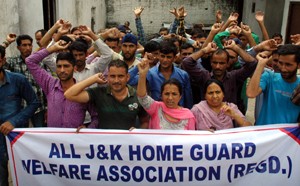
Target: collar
(58, 84)
(224, 77)
(158, 68)
(6, 78)
(131, 91)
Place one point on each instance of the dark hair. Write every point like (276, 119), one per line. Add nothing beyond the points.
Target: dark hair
(186, 46)
(210, 81)
(274, 52)
(65, 38)
(152, 36)
(75, 28)
(118, 63)
(290, 49)
(167, 47)
(2, 51)
(112, 39)
(277, 35)
(196, 31)
(163, 29)
(43, 32)
(66, 56)
(200, 35)
(151, 46)
(220, 51)
(172, 81)
(79, 45)
(20, 38)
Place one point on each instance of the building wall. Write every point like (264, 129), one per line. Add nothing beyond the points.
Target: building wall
(81, 12)
(273, 10)
(9, 21)
(156, 12)
(20, 17)
(274, 16)
(249, 15)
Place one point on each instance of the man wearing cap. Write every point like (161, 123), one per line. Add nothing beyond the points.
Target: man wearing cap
(129, 48)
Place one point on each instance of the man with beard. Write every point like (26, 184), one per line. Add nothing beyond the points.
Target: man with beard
(61, 112)
(277, 87)
(129, 47)
(13, 88)
(17, 64)
(117, 105)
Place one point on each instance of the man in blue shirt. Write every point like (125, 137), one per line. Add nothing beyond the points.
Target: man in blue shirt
(158, 74)
(277, 105)
(13, 88)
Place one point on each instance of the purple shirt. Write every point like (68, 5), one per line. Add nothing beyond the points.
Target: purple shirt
(232, 80)
(61, 112)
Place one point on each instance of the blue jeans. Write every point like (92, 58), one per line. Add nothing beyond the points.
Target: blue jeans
(4, 170)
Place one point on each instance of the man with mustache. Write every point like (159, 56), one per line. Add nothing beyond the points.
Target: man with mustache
(277, 88)
(219, 63)
(61, 112)
(129, 47)
(117, 105)
(17, 64)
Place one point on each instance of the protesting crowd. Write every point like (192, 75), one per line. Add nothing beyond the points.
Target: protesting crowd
(177, 79)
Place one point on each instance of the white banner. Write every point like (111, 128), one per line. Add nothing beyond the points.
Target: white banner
(242, 156)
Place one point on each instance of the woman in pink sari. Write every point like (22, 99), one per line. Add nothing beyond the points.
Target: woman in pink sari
(166, 114)
(213, 113)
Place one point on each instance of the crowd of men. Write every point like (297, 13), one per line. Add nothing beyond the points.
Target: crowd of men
(33, 84)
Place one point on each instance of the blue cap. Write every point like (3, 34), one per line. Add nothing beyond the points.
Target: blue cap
(122, 28)
(237, 41)
(130, 38)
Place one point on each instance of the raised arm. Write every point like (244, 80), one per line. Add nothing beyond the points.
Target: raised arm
(139, 26)
(78, 93)
(259, 16)
(182, 14)
(295, 39)
(48, 36)
(214, 30)
(88, 31)
(218, 16)
(10, 38)
(174, 25)
(232, 19)
(64, 29)
(254, 88)
(211, 47)
(246, 31)
(143, 70)
(230, 44)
